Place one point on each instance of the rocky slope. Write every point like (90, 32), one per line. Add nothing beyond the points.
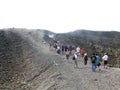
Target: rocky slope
(26, 63)
(69, 78)
(22, 58)
(94, 41)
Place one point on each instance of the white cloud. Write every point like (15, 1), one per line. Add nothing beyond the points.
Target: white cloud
(60, 15)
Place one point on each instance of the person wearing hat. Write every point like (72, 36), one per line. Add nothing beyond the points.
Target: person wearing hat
(85, 59)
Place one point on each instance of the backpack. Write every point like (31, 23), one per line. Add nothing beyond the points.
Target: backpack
(93, 58)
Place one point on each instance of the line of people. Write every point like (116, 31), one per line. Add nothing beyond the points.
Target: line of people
(96, 61)
(95, 58)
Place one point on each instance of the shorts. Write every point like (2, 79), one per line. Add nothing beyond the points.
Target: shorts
(105, 62)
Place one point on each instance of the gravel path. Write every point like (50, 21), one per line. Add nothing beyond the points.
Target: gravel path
(69, 78)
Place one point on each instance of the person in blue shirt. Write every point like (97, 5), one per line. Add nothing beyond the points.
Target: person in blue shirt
(98, 61)
(93, 61)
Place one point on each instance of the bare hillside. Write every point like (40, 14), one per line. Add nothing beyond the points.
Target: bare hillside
(26, 63)
(93, 41)
(22, 58)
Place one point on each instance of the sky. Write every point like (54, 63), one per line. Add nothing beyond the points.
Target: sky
(61, 15)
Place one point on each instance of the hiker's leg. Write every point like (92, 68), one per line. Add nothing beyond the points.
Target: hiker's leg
(85, 62)
(93, 67)
(99, 67)
(66, 56)
(105, 63)
(76, 63)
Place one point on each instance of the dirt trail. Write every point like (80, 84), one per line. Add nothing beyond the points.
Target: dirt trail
(66, 77)
(69, 78)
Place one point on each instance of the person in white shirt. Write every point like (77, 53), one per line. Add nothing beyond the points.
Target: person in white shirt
(78, 50)
(75, 59)
(105, 57)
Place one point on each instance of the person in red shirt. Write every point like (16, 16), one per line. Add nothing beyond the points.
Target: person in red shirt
(82, 51)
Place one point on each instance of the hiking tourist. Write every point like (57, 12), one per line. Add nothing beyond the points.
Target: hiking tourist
(66, 48)
(75, 60)
(78, 50)
(98, 61)
(58, 49)
(70, 49)
(93, 60)
(82, 52)
(85, 58)
(67, 54)
(63, 49)
(55, 46)
(105, 57)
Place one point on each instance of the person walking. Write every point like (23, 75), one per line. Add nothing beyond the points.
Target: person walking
(75, 60)
(82, 52)
(93, 60)
(85, 59)
(105, 57)
(98, 61)
(67, 54)
(78, 50)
